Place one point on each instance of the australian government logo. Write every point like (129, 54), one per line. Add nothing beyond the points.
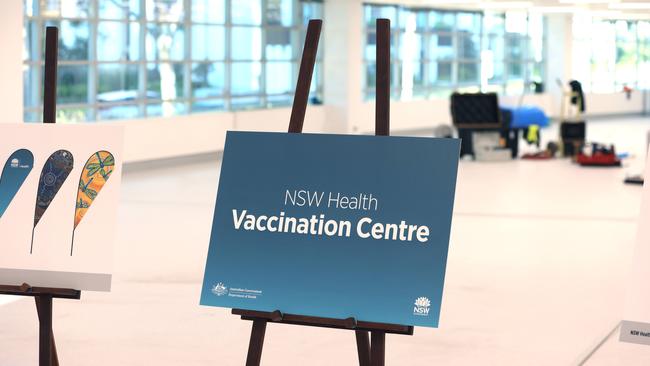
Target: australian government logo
(244, 293)
(219, 289)
(422, 306)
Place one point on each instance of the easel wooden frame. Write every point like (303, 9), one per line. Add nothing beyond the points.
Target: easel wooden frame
(43, 296)
(371, 350)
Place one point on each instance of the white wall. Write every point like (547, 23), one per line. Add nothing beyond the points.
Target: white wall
(345, 111)
(155, 138)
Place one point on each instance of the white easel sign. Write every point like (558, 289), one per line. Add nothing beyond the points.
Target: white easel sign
(59, 191)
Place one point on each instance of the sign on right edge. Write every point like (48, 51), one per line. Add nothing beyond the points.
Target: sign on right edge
(635, 327)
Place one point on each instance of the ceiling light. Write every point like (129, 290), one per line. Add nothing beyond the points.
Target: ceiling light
(506, 5)
(629, 6)
(583, 2)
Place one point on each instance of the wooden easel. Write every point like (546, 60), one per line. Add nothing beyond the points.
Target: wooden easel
(371, 350)
(44, 295)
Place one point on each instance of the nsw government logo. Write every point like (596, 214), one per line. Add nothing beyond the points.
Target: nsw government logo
(219, 289)
(422, 305)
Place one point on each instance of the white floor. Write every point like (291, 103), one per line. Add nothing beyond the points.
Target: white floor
(536, 276)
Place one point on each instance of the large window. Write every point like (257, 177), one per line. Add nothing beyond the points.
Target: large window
(139, 58)
(611, 54)
(438, 51)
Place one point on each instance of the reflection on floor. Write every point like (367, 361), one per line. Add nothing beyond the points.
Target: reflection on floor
(535, 277)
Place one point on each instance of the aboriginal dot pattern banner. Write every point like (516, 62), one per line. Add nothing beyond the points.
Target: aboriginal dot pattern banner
(56, 170)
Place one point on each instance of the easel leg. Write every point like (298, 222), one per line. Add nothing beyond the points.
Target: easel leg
(378, 348)
(45, 339)
(55, 356)
(256, 343)
(363, 347)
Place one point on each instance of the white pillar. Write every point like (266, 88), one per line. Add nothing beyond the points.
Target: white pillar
(343, 63)
(11, 62)
(559, 47)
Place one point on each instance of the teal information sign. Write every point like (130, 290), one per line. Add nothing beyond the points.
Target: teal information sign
(333, 226)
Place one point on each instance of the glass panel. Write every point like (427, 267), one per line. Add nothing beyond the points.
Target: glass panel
(245, 77)
(72, 84)
(246, 103)
(440, 73)
(165, 41)
(468, 73)
(279, 100)
(129, 111)
(371, 73)
(317, 79)
(603, 59)
(515, 71)
(115, 52)
(516, 22)
(208, 42)
(374, 12)
(209, 11)
(442, 21)
(535, 72)
(165, 10)
(626, 53)
(495, 46)
(535, 49)
(65, 8)
(31, 51)
(165, 109)
(208, 79)
(73, 114)
(644, 68)
(33, 116)
(249, 43)
(514, 47)
(164, 81)
(441, 46)
(440, 93)
(494, 72)
(494, 23)
(32, 86)
(248, 12)
(279, 44)
(279, 12)
(117, 83)
(311, 10)
(119, 9)
(30, 7)
(117, 41)
(469, 22)
(469, 47)
(370, 50)
(73, 39)
(643, 31)
(208, 105)
(279, 77)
